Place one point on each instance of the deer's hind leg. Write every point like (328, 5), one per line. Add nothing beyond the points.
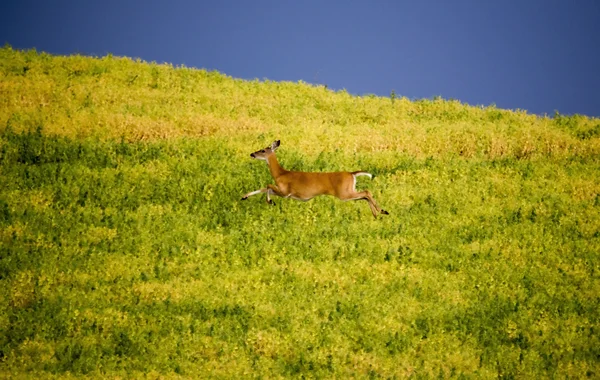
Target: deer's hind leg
(366, 195)
(372, 202)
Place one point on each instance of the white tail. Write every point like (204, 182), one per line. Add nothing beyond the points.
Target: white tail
(304, 186)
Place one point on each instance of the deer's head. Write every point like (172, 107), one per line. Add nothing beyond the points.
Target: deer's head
(263, 154)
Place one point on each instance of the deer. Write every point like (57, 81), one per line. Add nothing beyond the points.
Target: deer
(304, 186)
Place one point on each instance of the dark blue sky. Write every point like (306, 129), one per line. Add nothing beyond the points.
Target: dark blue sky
(540, 56)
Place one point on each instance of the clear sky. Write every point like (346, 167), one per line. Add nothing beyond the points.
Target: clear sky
(539, 55)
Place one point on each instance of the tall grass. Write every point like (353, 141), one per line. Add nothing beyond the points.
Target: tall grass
(125, 251)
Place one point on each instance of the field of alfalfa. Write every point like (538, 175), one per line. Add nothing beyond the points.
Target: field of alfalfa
(125, 250)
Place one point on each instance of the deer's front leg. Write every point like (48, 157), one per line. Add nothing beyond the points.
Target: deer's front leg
(269, 190)
(265, 190)
(272, 189)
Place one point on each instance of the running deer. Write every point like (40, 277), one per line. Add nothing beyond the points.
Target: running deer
(304, 186)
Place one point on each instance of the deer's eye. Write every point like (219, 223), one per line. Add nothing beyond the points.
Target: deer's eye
(262, 151)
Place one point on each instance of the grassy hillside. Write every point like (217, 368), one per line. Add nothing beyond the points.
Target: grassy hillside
(125, 249)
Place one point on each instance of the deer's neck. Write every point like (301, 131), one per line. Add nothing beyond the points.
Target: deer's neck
(274, 167)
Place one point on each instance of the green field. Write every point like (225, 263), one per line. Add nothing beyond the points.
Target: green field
(125, 250)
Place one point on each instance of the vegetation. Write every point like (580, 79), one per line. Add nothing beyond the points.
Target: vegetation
(125, 250)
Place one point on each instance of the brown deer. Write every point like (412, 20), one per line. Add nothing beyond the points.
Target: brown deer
(304, 186)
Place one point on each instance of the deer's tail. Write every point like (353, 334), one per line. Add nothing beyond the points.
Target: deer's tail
(359, 173)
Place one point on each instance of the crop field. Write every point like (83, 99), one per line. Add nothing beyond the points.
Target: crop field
(126, 251)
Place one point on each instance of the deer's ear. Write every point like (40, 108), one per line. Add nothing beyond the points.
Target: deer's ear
(275, 145)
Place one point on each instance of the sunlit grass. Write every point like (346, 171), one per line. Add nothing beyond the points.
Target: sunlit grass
(125, 250)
